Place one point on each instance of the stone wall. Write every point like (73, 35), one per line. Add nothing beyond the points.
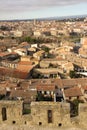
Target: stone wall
(60, 113)
(11, 112)
(83, 114)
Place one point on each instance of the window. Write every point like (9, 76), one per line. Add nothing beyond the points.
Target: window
(49, 116)
(4, 114)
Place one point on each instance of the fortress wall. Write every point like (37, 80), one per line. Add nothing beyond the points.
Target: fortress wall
(53, 114)
(83, 114)
(60, 113)
(11, 112)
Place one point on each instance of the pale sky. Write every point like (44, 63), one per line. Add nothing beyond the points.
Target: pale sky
(28, 9)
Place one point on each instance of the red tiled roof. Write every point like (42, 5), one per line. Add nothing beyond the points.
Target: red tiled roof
(13, 73)
(3, 92)
(85, 41)
(46, 87)
(24, 68)
(84, 87)
(22, 93)
(73, 92)
(69, 82)
(82, 81)
(2, 54)
(25, 63)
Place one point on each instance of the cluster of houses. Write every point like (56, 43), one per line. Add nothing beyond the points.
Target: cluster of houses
(31, 60)
(56, 90)
(20, 61)
(42, 28)
(34, 71)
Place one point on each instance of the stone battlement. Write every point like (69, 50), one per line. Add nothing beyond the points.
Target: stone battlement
(42, 114)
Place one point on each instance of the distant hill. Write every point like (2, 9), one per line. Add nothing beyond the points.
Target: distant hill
(50, 18)
(64, 17)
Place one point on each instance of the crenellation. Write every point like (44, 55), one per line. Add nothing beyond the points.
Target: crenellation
(50, 114)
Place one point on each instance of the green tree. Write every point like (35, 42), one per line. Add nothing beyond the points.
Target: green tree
(73, 74)
(31, 39)
(75, 107)
(46, 49)
(39, 97)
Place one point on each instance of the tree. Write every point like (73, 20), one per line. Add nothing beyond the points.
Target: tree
(46, 49)
(74, 107)
(73, 74)
(39, 97)
(31, 39)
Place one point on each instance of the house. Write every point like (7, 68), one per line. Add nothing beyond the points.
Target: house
(46, 89)
(2, 94)
(73, 93)
(4, 55)
(21, 51)
(84, 89)
(9, 64)
(10, 60)
(24, 45)
(49, 91)
(67, 67)
(18, 72)
(26, 58)
(31, 51)
(37, 33)
(16, 33)
(48, 72)
(39, 54)
(26, 96)
(45, 63)
(83, 49)
(25, 67)
(54, 31)
(35, 45)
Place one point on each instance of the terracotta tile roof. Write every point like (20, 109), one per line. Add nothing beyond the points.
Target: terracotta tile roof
(84, 41)
(25, 63)
(58, 82)
(2, 54)
(82, 81)
(73, 92)
(13, 73)
(24, 68)
(24, 44)
(69, 82)
(3, 92)
(68, 64)
(13, 53)
(22, 93)
(24, 84)
(45, 87)
(7, 84)
(84, 87)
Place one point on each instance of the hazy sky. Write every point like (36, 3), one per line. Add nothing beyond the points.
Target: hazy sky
(26, 9)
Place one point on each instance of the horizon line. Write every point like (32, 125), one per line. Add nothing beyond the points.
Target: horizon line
(45, 18)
